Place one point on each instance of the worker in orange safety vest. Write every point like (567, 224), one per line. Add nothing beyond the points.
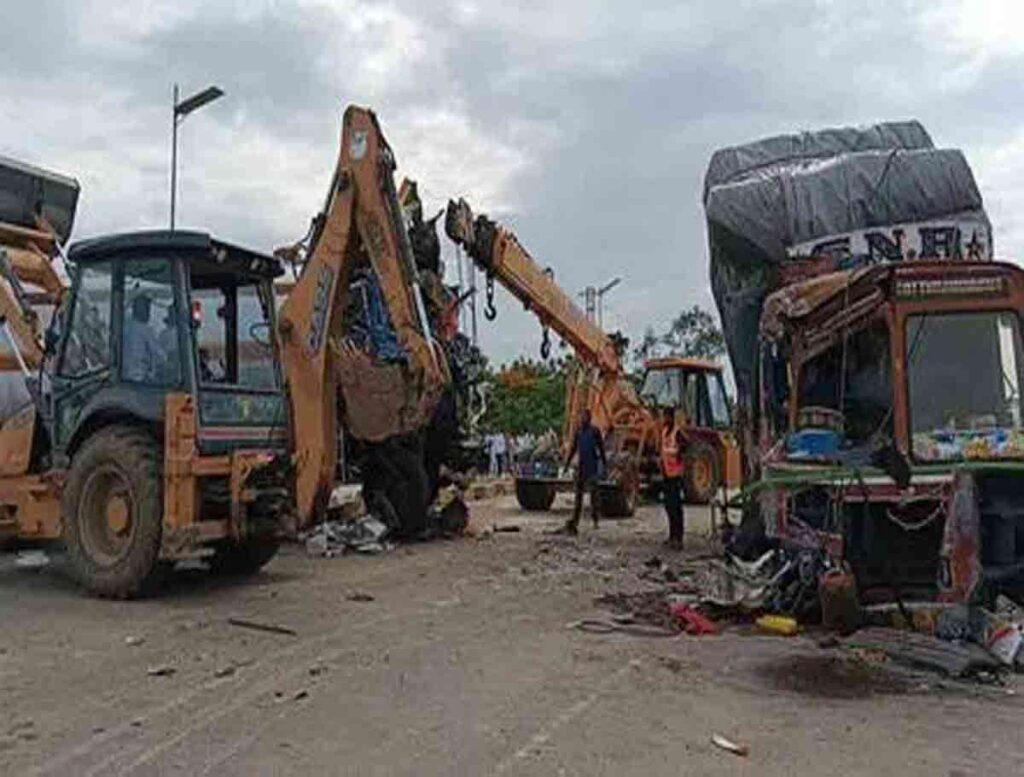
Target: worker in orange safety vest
(672, 442)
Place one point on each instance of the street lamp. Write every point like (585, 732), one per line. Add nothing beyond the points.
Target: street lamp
(600, 296)
(178, 114)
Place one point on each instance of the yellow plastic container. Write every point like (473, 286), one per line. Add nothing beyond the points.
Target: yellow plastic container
(782, 625)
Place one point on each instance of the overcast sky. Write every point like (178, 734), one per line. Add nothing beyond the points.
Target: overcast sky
(586, 126)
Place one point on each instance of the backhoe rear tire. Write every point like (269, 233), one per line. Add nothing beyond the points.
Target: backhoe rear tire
(112, 510)
(617, 501)
(534, 497)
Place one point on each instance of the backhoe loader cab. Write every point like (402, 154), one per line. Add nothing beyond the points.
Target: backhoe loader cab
(163, 409)
(156, 314)
(696, 389)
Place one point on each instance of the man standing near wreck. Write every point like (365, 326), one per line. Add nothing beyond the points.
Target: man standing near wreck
(672, 443)
(590, 447)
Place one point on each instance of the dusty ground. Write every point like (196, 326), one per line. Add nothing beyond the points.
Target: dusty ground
(462, 664)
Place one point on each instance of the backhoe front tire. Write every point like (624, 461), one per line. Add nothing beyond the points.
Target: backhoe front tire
(702, 477)
(112, 511)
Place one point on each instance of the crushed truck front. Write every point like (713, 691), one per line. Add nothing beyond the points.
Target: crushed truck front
(891, 426)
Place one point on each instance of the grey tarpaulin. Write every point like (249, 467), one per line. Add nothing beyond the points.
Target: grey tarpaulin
(735, 162)
(27, 191)
(768, 200)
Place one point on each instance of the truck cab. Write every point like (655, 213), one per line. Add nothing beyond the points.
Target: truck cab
(891, 426)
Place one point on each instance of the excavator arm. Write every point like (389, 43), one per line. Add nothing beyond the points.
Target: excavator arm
(500, 255)
(601, 384)
(378, 393)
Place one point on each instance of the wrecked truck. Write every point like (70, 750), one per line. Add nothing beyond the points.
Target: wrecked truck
(877, 355)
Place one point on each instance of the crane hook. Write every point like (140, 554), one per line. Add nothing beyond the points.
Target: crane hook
(545, 344)
(490, 312)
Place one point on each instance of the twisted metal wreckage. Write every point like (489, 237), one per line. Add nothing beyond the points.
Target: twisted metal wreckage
(877, 352)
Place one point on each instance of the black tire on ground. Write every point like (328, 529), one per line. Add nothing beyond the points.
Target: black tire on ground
(395, 471)
(243, 558)
(441, 440)
(701, 477)
(533, 496)
(617, 501)
(112, 510)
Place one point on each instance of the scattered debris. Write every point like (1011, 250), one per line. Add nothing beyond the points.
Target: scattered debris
(346, 502)
(691, 621)
(31, 559)
(360, 596)
(741, 585)
(226, 671)
(623, 626)
(132, 641)
(332, 538)
(782, 625)
(164, 670)
(649, 607)
(909, 647)
(727, 744)
(267, 627)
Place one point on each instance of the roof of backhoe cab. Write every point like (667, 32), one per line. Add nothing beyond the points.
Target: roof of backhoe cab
(200, 243)
(685, 362)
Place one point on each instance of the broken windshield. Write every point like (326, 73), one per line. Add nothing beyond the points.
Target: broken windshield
(847, 388)
(963, 373)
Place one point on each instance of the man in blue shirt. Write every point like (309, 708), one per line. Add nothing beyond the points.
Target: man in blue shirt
(141, 352)
(591, 466)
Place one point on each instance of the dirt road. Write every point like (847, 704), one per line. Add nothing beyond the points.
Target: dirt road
(460, 664)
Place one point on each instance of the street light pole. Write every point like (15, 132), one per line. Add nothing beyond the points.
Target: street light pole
(600, 299)
(174, 153)
(178, 113)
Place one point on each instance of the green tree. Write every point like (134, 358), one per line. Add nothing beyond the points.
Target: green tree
(526, 397)
(694, 332)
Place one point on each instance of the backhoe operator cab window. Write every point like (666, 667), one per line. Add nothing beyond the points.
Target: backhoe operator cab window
(699, 393)
(231, 315)
(88, 331)
(149, 328)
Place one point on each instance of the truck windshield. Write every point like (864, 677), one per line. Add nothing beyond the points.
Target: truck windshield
(848, 387)
(964, 378)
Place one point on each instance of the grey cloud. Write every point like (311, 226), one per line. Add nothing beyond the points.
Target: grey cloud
(615, 108)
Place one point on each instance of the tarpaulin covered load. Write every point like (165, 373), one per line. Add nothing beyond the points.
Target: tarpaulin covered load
(858, 196)
(27, 192)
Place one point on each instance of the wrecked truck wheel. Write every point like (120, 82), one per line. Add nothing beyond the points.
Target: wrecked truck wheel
(112, 513)
(534, 497)
(395, 473)
(617, 501)
(701, 476)
(408, 491)
(243, 558)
